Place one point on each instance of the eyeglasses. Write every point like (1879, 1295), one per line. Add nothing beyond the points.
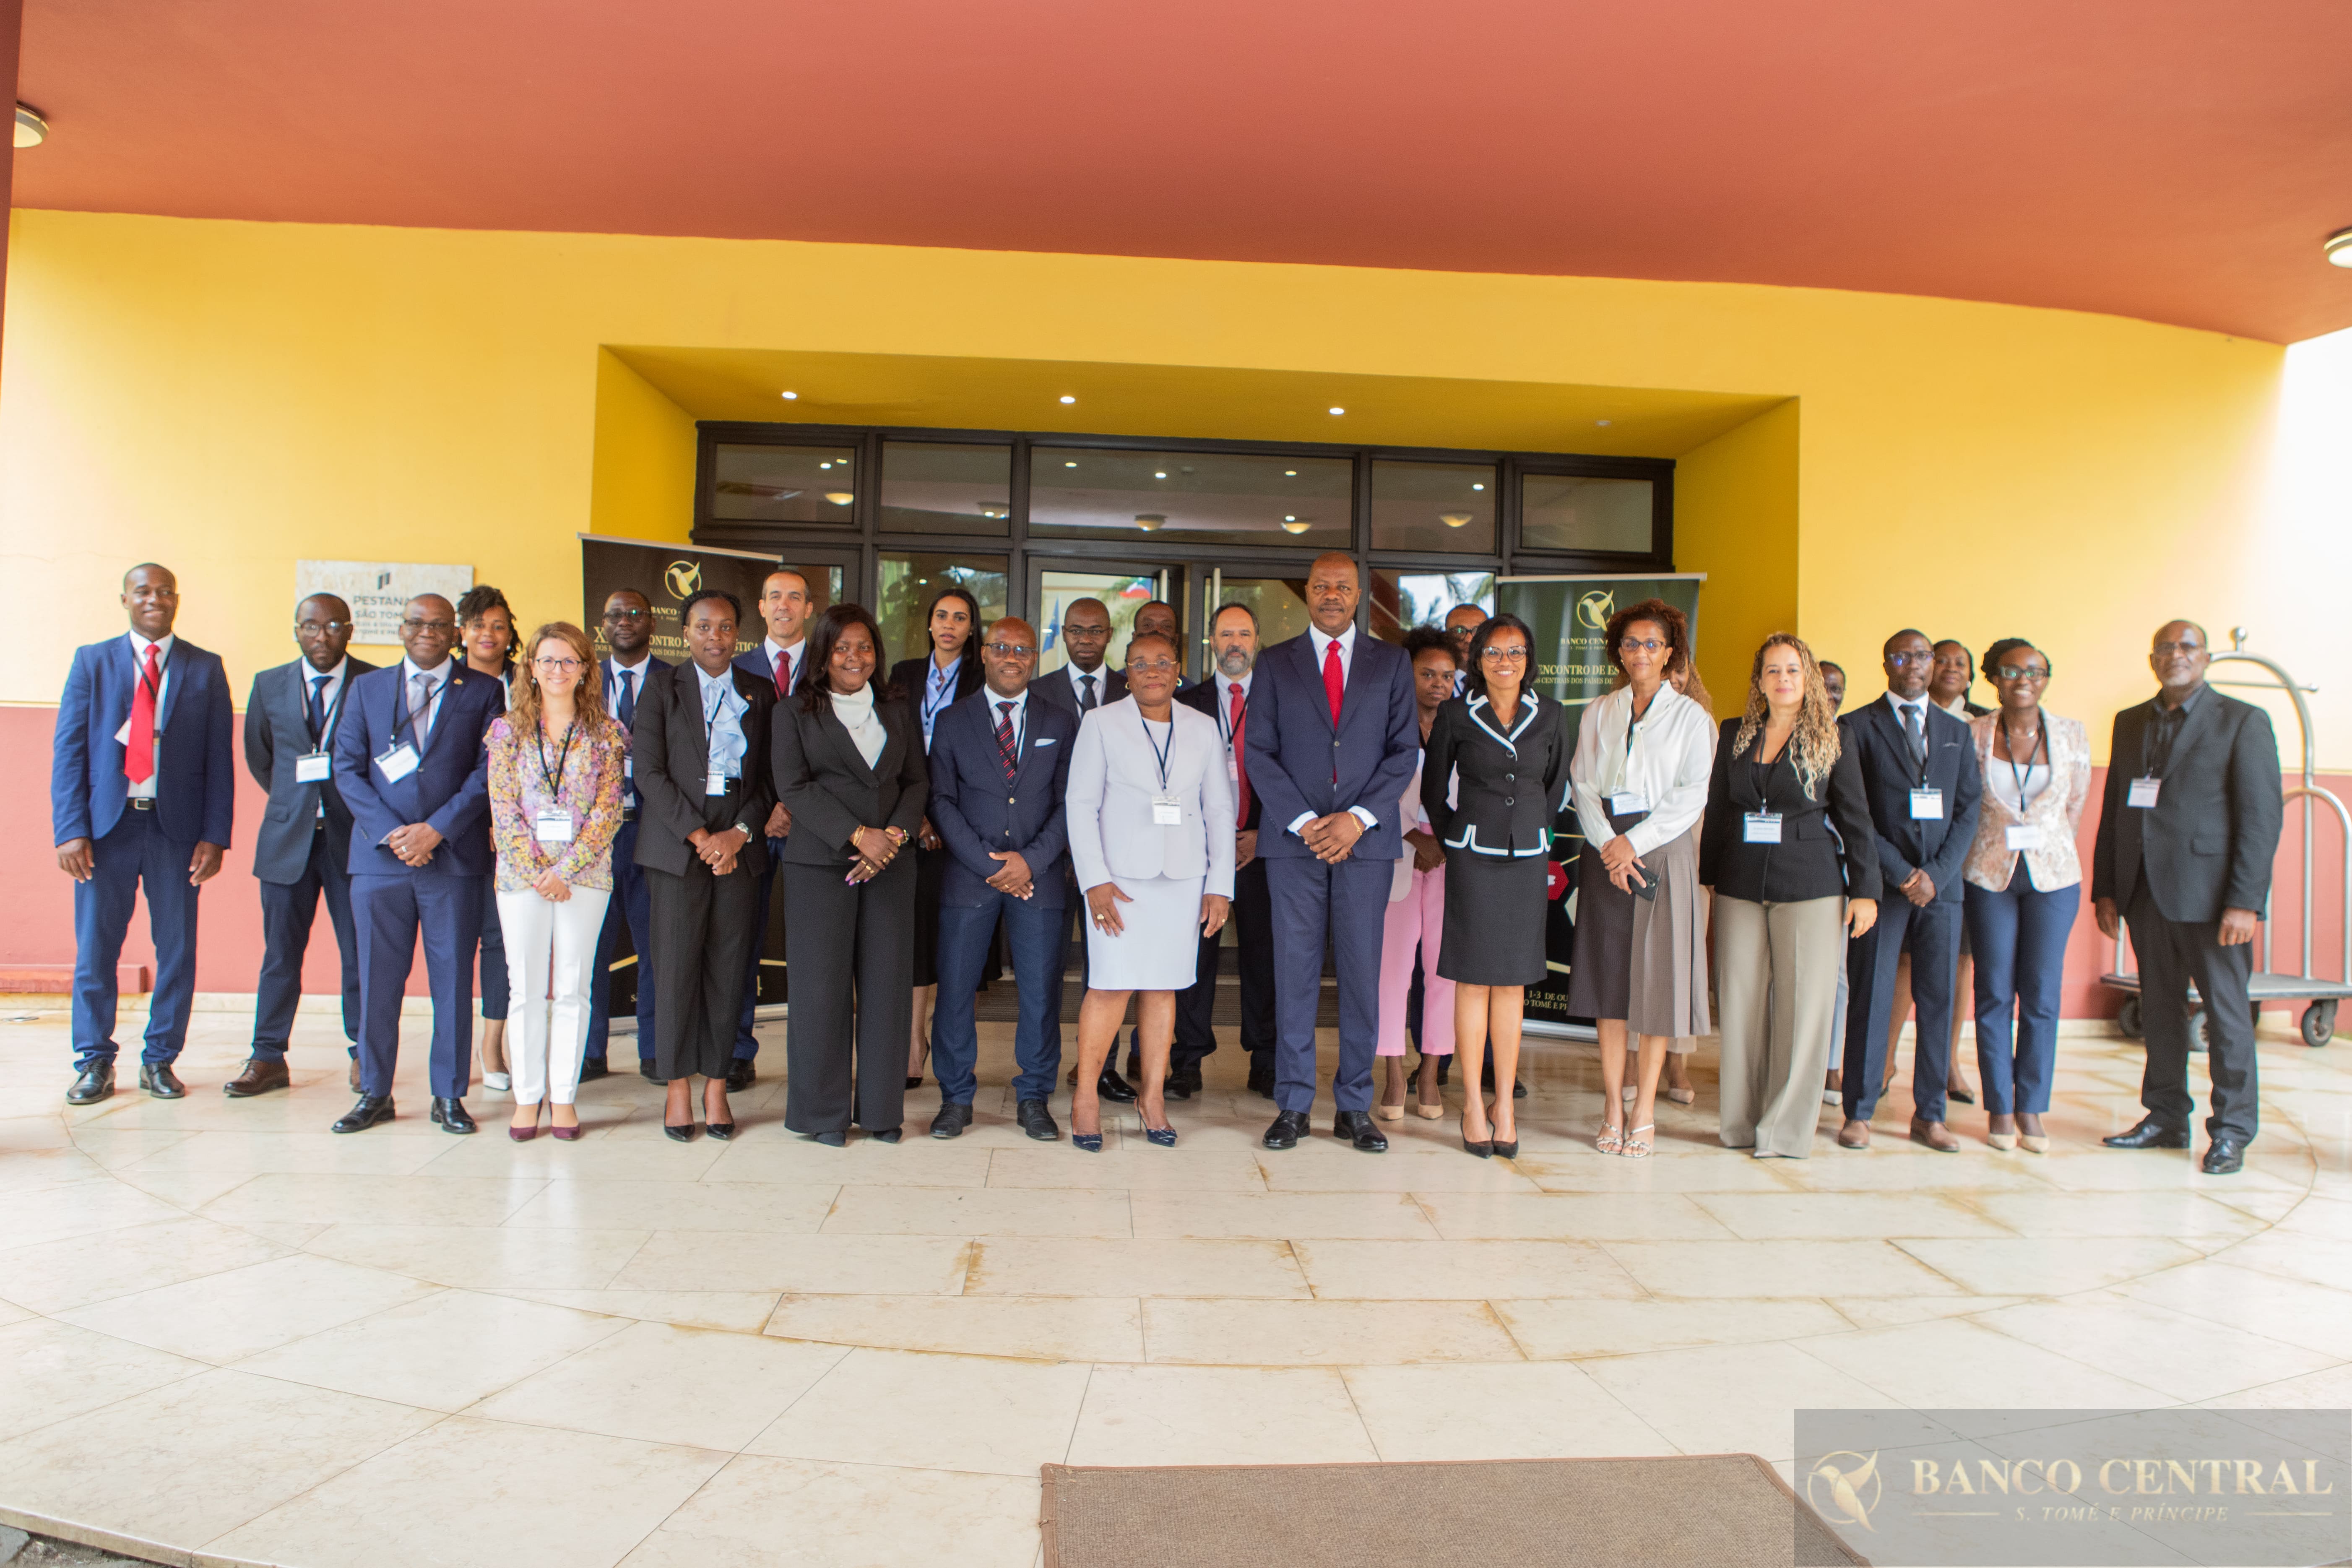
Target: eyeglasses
(628, 615)
(1012, 650)
(1640, 645)
(2020, 672)
(316, 628)
(2166, 649)
(415, 625)
(1153, 667)
(1911, 659)
(555, 665)
(1510, 655)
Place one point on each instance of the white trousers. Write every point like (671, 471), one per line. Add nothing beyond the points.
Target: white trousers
(550, 957)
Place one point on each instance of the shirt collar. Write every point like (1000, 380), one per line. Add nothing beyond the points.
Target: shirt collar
(438, 674)
(162, 647)
(1899, 703)
(1100, 677)
(725, 676)
(619, 668)
(312, 672)
(1226, 684)
(2187, 703)
(1346, 640)
(1020, 703)
(777, 650)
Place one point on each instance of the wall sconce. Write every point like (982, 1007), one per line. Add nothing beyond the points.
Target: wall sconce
(1149, 521)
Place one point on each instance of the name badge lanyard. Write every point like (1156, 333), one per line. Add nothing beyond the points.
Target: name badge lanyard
(1226, 732)
(408, 720)
(937, 694)
(555, 776)
(1763, 826)
(327, 720)
(1625, 774)
(1160, 755)
(2041, 749)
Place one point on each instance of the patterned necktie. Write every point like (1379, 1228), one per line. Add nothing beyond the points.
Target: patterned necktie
(139, 756)
(319, 707)
(1335, 680)
(627, 711)
(1917, 738)
(1238, 717)
(1008, 754)
(783, 675)
(420, 707)
(1087, 698)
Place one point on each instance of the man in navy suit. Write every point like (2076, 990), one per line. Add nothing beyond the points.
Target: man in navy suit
(301, 853)
(999, 767)
(1331, 743)
(141, 790)
(1919, 769)
(784, 605)
(629, 632)
(412, 763)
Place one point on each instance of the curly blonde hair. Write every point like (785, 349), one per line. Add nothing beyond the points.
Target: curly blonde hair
(587, 698)
(1814, 746)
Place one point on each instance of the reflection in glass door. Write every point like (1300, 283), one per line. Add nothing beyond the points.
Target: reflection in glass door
(1124, 587)
(1279, 603)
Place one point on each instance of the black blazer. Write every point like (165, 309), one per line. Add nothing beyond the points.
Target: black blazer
(911, 676)
(831, 792)
(2207, 843)
(277, 734)
(977, 813)
(672, 761)
(1888, 775)
(1813, 859)
(1511, 781)
(1056, 688)
(1202, 695)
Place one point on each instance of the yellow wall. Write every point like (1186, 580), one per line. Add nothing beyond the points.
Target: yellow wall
(229, 396)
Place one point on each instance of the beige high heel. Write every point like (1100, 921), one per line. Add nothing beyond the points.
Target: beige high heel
(2033, 1143)
(1387, 1112)
(1429, 1112)
(2002, 1141)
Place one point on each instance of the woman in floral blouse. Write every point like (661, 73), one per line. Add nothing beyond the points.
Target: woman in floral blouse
(555, 804)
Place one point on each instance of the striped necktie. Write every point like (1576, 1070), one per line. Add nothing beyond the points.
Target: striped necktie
(1008, 754)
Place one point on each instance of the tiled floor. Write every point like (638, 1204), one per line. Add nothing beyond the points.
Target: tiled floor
(224, 1332)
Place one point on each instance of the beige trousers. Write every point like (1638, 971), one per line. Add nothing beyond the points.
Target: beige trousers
(1776, 968)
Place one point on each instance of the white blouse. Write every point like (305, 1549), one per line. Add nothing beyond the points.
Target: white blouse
(855, 712)
(1671, 755)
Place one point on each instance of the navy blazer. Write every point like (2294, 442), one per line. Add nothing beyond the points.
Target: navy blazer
(1056, 688)
(449, 791)
(976, 813)
(195, 754)
(277, 734)
(754, 661)
(1292, 752)
(1888, 776)
(1202, 696)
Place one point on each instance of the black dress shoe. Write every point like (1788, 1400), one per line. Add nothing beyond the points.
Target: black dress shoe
(96, 1083)
(740, 1075)
(451, 1115)
(1184, 1083)
(889, 1135)
(2149, 1134)
(371, 1109)
(162, 1082)
(647, 1071)
(1038, 1121)
(2225, 1156)
(1357, 1126)
(1112, 1086)
(1288, 1127)
(951, 1120)
(1261, 1073)
(259, 1077)
(594, 1068)
(832, 1140)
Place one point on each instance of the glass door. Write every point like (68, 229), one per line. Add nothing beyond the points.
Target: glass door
(1279, 603)
(1123, 586)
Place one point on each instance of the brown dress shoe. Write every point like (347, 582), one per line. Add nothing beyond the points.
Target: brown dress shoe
(1935, 1135)
(258, 1077)
(1853, 1135)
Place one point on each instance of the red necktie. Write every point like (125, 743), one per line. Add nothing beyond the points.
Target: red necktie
(1333, 682)
(1239, 717)
(139, 758)
(783, 675)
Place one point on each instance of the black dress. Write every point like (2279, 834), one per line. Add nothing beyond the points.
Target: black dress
(1497, 835)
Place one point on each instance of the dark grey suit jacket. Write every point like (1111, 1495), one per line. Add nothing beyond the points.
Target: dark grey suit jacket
(829, 790)
(672, 754)
(277, 733)
(2207, 844)
(1056, 688)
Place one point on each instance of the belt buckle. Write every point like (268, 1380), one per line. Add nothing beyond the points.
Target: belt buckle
(142, 803)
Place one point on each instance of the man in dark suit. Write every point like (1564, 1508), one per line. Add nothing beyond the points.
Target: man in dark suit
(1331, 743)
(999, 767)
(1919, 766)
(2187, 830)
(141, 791)
(1223, 696)
(625, 671)
(784, 605)
(302, 851)
(412, 763)
(1159, 615)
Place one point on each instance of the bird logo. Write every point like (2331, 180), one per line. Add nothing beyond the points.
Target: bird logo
(1595, 608)
(683, 577)
(1851, 1488)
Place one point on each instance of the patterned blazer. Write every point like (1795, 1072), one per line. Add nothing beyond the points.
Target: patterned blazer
(2058, 809)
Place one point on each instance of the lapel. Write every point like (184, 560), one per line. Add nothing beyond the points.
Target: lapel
(2200, 721)
(1482, 713)
(838, 733)
(687, 678)
(1312, 674)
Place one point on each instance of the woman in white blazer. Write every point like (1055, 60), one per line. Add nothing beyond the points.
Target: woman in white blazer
(1151, 814)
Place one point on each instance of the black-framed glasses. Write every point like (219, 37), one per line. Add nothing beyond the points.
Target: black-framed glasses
(1639, 645)
(1510, 655)
(1012, 650)
(314, 628)
(2020, 672)
(628, 615)
(1907, 658)
(417, 625)
(555, 665)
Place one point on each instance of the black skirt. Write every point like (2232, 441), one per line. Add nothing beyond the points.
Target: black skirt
(1493, 919)
(930, 885)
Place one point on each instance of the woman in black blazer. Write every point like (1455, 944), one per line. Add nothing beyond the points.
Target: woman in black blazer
(1788, 850)
(849, 766)
(930, 685)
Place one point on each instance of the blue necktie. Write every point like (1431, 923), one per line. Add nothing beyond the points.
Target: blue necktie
(319, 707)
(627, 713)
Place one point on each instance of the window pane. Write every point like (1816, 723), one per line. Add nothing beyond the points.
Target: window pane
(1433, 505)
(1403, 598)
(1121, 593)
(910, 581)
(932, 489)
(785, 484)
(1188, 496)
(1569, 512)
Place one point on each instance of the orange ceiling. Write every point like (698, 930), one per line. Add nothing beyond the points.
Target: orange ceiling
(2168, 159)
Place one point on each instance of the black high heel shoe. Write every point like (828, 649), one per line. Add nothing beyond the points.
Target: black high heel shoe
(1503, 1150)
(679, 1135)
(722, 1130)
(1483, 1148)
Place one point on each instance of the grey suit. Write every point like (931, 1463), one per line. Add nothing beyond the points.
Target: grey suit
(300, 852)
(2205, 846)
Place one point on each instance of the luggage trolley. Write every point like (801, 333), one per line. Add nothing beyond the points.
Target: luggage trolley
(2266, 985)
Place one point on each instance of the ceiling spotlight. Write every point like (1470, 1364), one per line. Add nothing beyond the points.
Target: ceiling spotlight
(2336, 246)
(32, 129)
(1338, 410)
(789, 397)
(824, 464)
(995, 510)
(1067, 398)
(1292, 525)
(1069, 465)
(1290, 473)
(839, 498)
(1149, 521)
(1160, 476)
(1477, 487)
(1454, 518)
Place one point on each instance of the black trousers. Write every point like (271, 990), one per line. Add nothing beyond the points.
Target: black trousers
(701, 927)
(2171, 955)
(1252, 922)
(1932, 937)
(849, 953)
(288, 910)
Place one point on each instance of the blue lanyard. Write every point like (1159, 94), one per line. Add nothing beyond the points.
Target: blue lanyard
(1160, 754)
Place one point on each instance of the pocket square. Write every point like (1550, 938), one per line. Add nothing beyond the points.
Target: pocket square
(1045, 741)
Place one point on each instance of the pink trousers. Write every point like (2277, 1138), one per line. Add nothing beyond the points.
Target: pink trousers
(1416, 921)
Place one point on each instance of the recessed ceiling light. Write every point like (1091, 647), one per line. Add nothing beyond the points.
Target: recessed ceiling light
(1338, 410)
(1069, 465)
(1292, 525)
(1149, 521)
(2336, 247)
(790, 395)
(1454, 518)
(1477, 487)
(1290, 519)
(1290, 473)
(1160, 476)
(839, 498)
(32, 129)
(824, 464)
(1067, 398)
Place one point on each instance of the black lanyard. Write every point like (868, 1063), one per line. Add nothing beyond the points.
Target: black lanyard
(1159, 753)
(555, 778)
(1220, 713)
(409, 721)
(162, 669)
(1919, 763)
(934, 702)
(327, 720)
(2041, 749)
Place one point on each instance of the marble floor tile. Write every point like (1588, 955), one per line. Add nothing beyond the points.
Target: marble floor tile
(1058, 1265)
(933, 1411)
(1280, 1216)
(1894, 1311)
(79, 1209)
(50, 1372)
(659, 1383)
(2276, 1307)
(1553, 1330)
(319, 1152)
(1957, 1363)
(1892, 1164)
(1835, 1216)
(1552, 1411)
(850, 1265)
(186, 1190)
(225, 1317)
(1776, 1268)
(2038, 1266)
(1721, 1170)
(114, 1150)
(443, 1352)
(2314, 1258)
(1571, 1216)
(738, 1311)
(1731, 1399)
(1145, 1169)
(785, 1157)
(1219, 1415)
(1462, 1270)
(2178, 1215)
(374, 1200)
(52, 1275)
(2328, 1390)
(26, 1171)
(603, 1156)
(1323, 1164)
(486, 1256)
(982, 1211)
(1032, 1328)
(2181, 1357)
(593, 1204)
(2096, 1170)
(1321, 1333)
(499, 1493)
(846, 1516)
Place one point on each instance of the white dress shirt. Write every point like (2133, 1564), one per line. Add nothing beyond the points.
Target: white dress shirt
(1918, 704)
(639, 672)
(1099, 675)
(1668, 764)
(420, 732)
(330, 705)
(1320, 644)
(787, 660)
(145, 788)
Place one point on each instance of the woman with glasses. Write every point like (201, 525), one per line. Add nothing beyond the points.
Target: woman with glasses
(555, 804)
(1644, 753)
(2024, 885)
(485, 629)
(934, 682)
(1490, 782)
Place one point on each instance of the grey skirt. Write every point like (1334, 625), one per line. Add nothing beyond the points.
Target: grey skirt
(1642, 959)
